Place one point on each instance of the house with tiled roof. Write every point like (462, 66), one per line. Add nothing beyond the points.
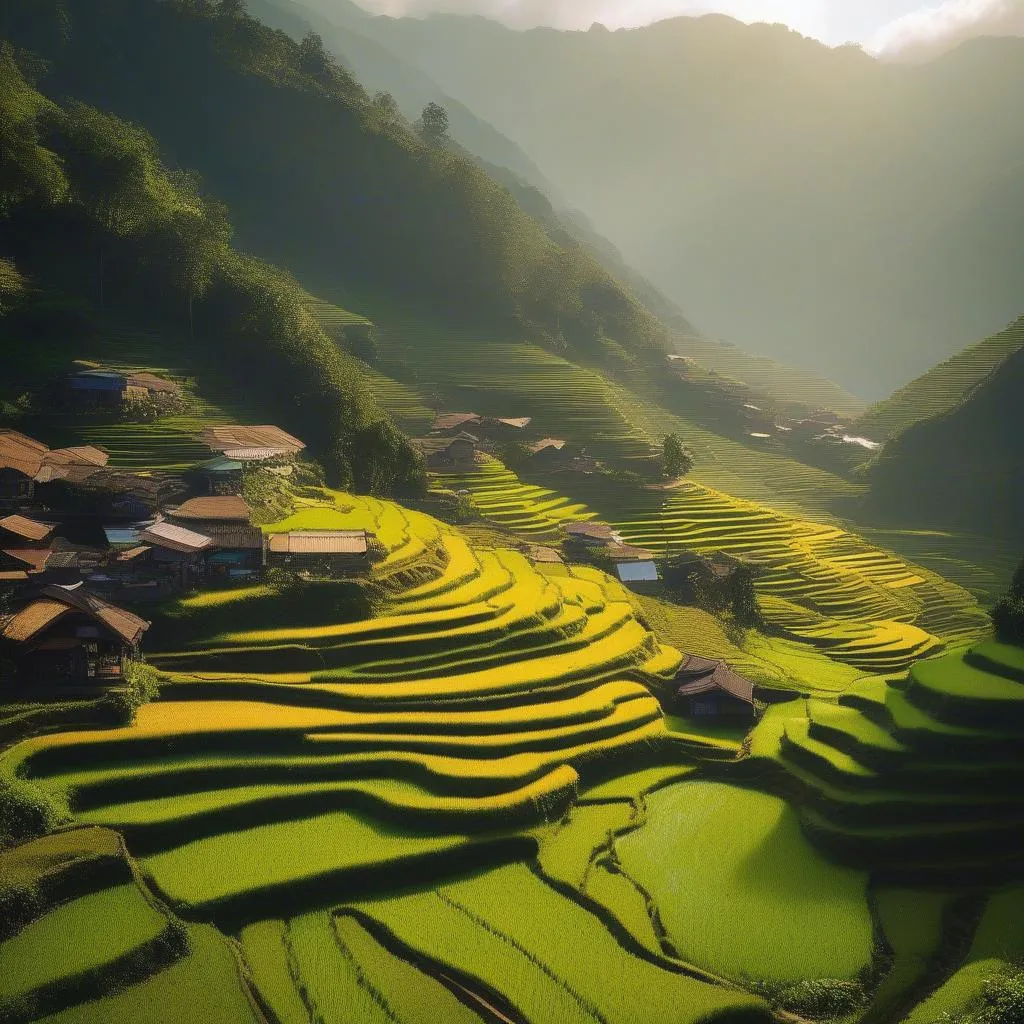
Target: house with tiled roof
(252, 444)
(237, 545)
(706, 689)
(67, 637)
(321, 552)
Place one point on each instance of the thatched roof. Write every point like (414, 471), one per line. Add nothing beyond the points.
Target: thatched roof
(227, 508)
(700, 675)
(53, 602)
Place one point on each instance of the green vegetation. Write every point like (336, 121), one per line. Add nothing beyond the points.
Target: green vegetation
(800, 916)
(943, 387)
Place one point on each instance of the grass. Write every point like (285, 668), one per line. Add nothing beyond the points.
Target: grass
(740, 890)
(82, 935)
(518, 927)
(205, 985)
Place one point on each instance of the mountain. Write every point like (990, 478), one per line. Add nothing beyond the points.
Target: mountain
(378, 70)
(942, 387)
(805, 203)
(95, 227)
(963, 468)
(320, 179)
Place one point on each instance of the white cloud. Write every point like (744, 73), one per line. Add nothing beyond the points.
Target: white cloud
(807, 16)
(930, 31)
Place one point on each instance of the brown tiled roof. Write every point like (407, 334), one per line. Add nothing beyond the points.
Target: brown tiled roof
(132, 553)
(175, 538)
(37, 615)
(451, 420)
(22, 526)
(80, 455)
(543, 555)
(233, 508)
(547, 443)
(13, 576)
(151, 382)
(34, 558)
(628, 553)
(699, 675)
(320, 542)
(598, 531)
(229, 437)
(517, 422)
(20, 452)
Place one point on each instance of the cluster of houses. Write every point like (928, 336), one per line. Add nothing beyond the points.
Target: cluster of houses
(633, 566)
(763, 425)
(111, 392)
(455, 439)
(65, 567)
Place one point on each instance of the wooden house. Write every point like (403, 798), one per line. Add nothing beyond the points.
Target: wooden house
(320, 552)
(178, 551)
(21, 459)
(635, 567)
(221, 475)
(449, 455)
(68, 637)
(454, 422)
(711, 690)
(96, 390)
(592, 534)
(237, 550)
(252, 444)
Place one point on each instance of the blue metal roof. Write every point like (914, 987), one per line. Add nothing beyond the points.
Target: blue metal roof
(98, 380)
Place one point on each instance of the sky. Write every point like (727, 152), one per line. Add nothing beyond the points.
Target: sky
(902, 29)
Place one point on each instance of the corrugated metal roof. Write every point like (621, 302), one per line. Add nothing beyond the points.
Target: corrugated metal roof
(175, 538)
(319, 542)
(256, 454)
(22, 526)
(229, 437)
(98, 380)
(637, 572)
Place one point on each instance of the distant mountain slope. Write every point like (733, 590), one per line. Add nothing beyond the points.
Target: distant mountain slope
(806, 203)
(942, 387)
(964, 468)
(319, 179)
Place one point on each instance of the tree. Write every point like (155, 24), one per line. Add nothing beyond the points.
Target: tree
(314, 60)
(386, 105)
(743, 597)
(676, 461)
(233, 9)
(1008, 614)
(434, 124)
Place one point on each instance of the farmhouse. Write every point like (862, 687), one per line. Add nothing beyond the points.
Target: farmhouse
(252, 444)
(448, 455)
(67, 636)
(226, 521)
(321, 552)
(592, 534)
(453, 422)
(710, 689)
(177, 550)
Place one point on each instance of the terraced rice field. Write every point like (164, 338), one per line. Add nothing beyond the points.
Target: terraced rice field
(918, 778)
(502, 498)
(819, 585)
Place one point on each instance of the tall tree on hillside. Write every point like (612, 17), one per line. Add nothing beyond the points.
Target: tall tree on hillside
(676, 461)
(1008, 614)
(314, 60)
(110, 163)
(386, 105)
(434, 124)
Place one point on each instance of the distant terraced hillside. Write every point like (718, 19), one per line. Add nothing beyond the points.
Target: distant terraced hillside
(942, 387)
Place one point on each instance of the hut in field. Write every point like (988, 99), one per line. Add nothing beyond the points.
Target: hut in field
(452, 423)
(331, 553)
(252, 444)
(448, 455)
(68, 637)
(541, 555)
(592, 534)
(707, 689)
(635, 567)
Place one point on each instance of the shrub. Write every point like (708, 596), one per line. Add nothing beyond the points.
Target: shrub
(23, 814)
(141, 688)
(1008, 614)
(814, 998)
(19, 904)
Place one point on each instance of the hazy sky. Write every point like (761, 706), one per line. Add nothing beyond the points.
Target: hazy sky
(909, 27)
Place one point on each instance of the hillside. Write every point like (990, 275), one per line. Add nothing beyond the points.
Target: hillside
(108, 250)
(963, 468)
(942, 387)
(371, 203)
(867, 214)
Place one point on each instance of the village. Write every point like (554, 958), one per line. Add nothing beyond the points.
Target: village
(86, 548)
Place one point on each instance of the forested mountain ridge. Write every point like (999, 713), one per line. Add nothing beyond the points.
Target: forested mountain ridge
(94, 225)
(943, 386)
(320, 179)
(806, 203)
(963, 468)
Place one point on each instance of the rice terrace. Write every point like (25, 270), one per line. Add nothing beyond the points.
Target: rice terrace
(465, 559)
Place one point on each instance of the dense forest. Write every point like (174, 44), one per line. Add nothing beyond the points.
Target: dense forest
(95, 224)
(319, 177)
